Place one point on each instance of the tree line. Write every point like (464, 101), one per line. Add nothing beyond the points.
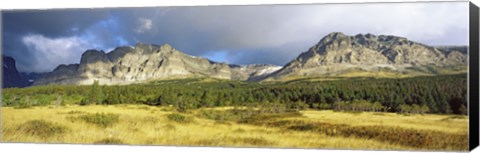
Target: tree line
(434, 94)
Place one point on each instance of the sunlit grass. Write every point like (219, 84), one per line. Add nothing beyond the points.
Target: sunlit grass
(424, 122)
(147, 125)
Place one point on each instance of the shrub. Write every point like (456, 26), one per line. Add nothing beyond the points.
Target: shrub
(23, 102)
(100, 119)
(248, 116)
(262, 119)
(109, 141)
(42, 128)
(298, 105)
(75, 112)
(178, 118)
(305, 127)
(219, 115)
(22, 106)
(184, 106)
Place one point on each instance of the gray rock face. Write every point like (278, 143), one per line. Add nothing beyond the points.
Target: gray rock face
(10, 76)
(142, 63)
(338, 52)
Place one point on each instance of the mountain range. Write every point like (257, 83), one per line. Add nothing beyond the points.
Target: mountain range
(334, 55)
(145, 62)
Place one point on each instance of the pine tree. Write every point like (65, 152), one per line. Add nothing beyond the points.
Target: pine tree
(94, 96)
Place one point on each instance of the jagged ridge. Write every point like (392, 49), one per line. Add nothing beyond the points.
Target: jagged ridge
(142, 63)
(337, 52)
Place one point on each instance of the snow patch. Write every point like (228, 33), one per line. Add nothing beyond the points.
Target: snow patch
(268, 70)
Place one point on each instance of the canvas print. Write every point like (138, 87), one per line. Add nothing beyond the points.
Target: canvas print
(369, 76)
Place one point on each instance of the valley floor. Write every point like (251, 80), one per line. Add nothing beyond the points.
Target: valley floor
(149, 125)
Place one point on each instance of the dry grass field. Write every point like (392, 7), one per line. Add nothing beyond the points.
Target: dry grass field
(149, 125)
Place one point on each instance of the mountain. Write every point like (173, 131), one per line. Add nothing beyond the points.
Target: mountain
(31, 76)
(252, 72)
(143, 63)
(366, 54)
(11, 77)
(335, 55)
(447, 49)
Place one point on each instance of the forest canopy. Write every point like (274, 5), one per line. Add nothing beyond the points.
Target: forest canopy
(427, 94)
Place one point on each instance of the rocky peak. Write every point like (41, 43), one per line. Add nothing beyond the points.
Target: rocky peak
(166, 47)
(338, 41)
(334, 35)
(144, 48)
(64, 67)
(92, 55)
(8, 61)
(392, 47)
(338, 52)
(119, 53)
(11, 76)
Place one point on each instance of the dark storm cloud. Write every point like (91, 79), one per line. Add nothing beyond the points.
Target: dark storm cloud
(236, 34)
(17, 24)
(51, 23)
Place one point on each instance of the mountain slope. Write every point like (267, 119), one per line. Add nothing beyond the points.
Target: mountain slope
(337, 53)
(447, 49)
(31, 76)
(252, 72)
(11, 76)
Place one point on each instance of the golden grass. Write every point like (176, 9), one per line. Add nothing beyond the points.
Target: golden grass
(442, 123)
(144, 125)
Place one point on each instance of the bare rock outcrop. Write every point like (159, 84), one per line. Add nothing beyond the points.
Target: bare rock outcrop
(338, 52)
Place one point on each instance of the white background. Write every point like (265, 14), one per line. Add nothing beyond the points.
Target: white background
(61, 148)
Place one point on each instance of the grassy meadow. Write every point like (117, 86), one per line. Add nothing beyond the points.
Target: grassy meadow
(135, 124)
(411, 113)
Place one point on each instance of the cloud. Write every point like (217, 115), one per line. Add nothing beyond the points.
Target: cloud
(51, 23)
(273, 34)
(52, 52)
(144, 25)
(200, 30)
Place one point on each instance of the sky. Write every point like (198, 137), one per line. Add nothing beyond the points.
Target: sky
(40, 40)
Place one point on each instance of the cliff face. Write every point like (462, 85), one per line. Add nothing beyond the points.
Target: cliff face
(338, 52)
(126, 65)
(11, 76)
